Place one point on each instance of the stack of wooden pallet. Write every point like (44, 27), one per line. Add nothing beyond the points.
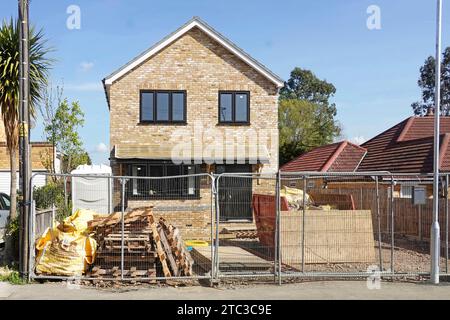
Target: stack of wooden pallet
(182, 257)
(146, 249)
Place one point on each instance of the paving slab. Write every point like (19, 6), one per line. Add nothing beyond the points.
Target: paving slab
(328, 290)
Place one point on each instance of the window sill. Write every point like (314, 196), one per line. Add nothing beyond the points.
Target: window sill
(161, 123)
(233, 124)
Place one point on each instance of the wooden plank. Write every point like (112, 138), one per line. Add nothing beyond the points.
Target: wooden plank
(230, 258)
(336, 236)
(232, 229)
(182, 256)
(167, 249)
(133, 273)
(160, 250)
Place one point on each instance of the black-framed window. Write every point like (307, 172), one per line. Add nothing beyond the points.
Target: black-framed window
(162, 106)
(168, 188)
(234, 107)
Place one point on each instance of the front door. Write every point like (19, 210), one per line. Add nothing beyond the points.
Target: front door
(235, 193)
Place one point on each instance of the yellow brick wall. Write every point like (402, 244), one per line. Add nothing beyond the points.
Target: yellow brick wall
(2, 131)
(37, 150)
(202, 67)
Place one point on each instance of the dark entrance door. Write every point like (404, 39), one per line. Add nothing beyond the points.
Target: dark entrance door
(235, 193)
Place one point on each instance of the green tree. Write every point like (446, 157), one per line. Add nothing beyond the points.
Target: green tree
(427, 83)
(306, 115)
(62, 131)
(51, 100)
(77, 159)
(39, 65)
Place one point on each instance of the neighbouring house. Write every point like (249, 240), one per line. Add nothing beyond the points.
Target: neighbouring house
(342, 156)
(39, 152)
(193, 103)
(407, 147)
(404, 150)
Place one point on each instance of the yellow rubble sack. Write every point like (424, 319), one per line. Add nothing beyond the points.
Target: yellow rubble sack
(78, 222)
(294, 197)
(65, 250)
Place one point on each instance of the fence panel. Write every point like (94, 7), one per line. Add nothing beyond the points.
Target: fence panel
(140, 232)
(44, 219)
(246, 225)
(335, 229)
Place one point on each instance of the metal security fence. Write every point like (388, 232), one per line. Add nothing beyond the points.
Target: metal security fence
(352, 224)
(241, 225)
(245, 225)
(123, 228)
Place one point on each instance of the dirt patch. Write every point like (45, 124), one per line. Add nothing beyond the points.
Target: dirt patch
(407, 256)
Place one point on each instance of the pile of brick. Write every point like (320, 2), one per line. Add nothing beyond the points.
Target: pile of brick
(140, 245)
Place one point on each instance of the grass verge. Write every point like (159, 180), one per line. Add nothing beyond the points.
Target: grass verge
(11, 276)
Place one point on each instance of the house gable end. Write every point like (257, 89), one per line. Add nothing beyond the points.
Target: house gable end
(169, 40)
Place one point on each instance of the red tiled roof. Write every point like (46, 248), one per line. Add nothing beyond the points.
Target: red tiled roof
(407, 147)
(422, 127)
(337, 157)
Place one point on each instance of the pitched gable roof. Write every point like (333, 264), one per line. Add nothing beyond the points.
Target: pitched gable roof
(194, 22)
(408, 147)
(337, 157)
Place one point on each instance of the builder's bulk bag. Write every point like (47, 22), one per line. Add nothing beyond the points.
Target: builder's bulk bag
(63, 253)
(78, 222)
(66, 250)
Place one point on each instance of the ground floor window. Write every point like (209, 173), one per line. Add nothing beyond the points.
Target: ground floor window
(165, 187)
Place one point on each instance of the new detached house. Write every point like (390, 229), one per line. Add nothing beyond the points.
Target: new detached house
(193, 103)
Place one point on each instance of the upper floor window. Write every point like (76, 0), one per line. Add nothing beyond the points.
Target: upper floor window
(234, 107)
(159, 106)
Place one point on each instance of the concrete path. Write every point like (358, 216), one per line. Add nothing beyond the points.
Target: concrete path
(310, 290)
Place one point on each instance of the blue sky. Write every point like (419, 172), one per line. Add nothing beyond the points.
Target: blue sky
(375, 71)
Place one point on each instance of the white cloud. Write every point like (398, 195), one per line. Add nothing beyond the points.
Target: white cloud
(88, 86)
(86, 66)
(101, 148)
(358, 140)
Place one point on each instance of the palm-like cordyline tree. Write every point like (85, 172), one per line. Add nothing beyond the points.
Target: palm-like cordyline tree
(39, 66)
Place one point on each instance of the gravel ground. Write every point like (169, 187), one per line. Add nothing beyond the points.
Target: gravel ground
(409, 257)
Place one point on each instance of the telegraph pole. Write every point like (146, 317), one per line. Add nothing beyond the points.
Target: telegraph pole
(435, 247)
(24, 136)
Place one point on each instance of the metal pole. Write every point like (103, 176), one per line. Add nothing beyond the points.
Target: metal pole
(216, 242)
(277, 266)
(24, 118)
(303, 223)
(379, 224)
(53, 215)
(446, 223)
(420, 223)
(32, 238)
(392, 224)
(65, 192)
(435, 232)
(122, 250)
(213, 197)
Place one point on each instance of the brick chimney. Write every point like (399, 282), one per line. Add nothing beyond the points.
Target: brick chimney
(430, 112)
